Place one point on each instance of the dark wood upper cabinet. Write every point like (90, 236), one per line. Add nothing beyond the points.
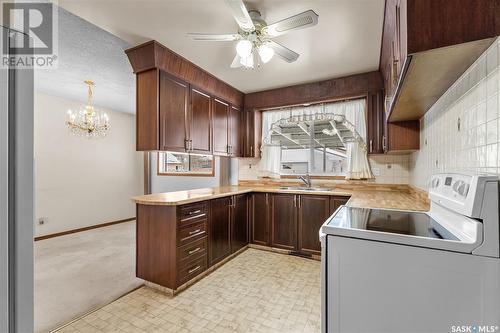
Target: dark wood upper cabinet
(200, 120)
(376, 122)
(219, 230)
(313, 212)
(147, 107)
(427, 45)
(259, 218)
(174, 99)
(220, 127)
(252, 133)
(235, 141)
(403, 136)
(284, 221)
(239, 222)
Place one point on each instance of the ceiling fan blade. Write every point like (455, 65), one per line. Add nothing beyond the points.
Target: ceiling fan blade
(236, 62)
(214, 37)
(240, 14)
(300, 21)
(283, 52)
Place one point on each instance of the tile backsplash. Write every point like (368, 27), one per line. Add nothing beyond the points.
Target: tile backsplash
(387, 169)
(461, 131)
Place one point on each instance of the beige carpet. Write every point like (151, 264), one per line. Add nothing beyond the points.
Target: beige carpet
(257, 292)
(79, 272)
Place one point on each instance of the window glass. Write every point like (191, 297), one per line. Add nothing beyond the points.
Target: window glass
(171, 163)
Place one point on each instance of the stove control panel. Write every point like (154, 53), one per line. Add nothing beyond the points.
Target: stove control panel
(462, 193)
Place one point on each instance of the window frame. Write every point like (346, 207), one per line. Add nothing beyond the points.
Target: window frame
(183, 174)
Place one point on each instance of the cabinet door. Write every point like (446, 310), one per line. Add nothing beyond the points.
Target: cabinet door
(253, 133)
(284, 221)
(259, 218)
(336, 202)
(219, 236)
(220, 125)
(376, 120)
(314, 210)
(174, 97)
(403, 136)
(200, 120)
(239, 220)
(235, 123)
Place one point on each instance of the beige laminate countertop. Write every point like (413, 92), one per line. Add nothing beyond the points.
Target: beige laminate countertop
(380, 196)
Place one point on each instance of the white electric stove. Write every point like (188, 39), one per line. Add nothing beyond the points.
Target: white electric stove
(405, 271)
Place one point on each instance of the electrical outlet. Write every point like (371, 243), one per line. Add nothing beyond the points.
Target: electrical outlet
(41, 221)
(376, 171)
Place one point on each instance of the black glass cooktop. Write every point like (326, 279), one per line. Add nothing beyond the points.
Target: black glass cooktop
(390, 221)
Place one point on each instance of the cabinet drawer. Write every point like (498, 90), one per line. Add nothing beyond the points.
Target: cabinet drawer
(191, 213)
(192, 251)
(192, 232)
(187, 272)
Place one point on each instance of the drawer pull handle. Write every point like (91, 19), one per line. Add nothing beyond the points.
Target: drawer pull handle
(194, 269)
(195, 250)
(193, 217)
(194, 231)
(195, 212)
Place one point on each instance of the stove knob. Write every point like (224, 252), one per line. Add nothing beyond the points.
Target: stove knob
(456, 185)
(463, 189)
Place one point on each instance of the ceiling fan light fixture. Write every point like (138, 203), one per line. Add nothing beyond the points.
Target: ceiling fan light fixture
(247, 61)
(266, 53)
(244, 48)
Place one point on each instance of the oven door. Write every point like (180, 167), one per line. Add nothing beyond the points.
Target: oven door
(376, 287)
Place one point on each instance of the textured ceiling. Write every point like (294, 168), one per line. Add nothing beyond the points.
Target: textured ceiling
(86, 52)
(345, 41)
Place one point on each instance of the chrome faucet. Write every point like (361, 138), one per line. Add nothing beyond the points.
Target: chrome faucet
(306, 179)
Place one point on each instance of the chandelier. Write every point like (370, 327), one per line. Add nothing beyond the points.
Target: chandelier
(87, 121)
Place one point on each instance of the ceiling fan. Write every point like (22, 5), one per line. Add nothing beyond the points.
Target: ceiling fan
(254, 35)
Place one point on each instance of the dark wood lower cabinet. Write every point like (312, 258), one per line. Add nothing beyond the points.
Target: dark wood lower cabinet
(239, 222)
(219, 230)
(176, 243)
(336, 202)
(284, 221)
(259, 218)
(313, 211)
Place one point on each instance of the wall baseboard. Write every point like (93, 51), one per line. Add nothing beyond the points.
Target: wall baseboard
(73, 231)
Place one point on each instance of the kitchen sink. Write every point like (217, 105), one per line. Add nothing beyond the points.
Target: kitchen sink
(303, 188)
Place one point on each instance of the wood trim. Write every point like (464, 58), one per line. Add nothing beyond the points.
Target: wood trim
(73, 231)
(158, 173)
(152, 54)
(328, 90)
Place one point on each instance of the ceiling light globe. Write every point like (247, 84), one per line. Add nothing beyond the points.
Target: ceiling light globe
(244, 48)
(266, 53)
(247, 61)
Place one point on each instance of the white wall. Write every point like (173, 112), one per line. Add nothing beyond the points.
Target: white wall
(82, 182)
(178, 183)
(474, 147)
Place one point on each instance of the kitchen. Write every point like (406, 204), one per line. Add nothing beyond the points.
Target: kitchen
(287, 191)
